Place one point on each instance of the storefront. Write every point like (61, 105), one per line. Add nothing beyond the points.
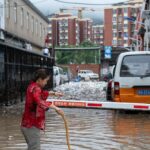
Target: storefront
(16, 70)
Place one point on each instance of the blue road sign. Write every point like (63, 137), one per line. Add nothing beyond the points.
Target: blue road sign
(108, 52)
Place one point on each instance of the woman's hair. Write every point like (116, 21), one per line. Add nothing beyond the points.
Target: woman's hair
(40, 74)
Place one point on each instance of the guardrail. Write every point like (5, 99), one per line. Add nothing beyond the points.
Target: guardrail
(100, 105)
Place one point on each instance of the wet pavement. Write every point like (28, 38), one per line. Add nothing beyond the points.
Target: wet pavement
(89, 130)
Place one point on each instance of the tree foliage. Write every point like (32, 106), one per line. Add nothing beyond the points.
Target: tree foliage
(78, 57)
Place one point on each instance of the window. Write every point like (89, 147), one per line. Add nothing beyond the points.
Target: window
(120, 19)
(27, 20)
(15, 12)
(22, 17)
(135, 66)
(36, 27)
(32, 24)
(119, 11)
(40, 29)
(125, 25)
(125, 10)
(125, 41)
(119, 42)
(125, 34)
(119, 27)
(8, 8)
(114, 42)
(44, 32)
(132, 34)
(133, 10)
(132, 27)
(114, 11)
(114, 27)
(114, 19)
(114, 34)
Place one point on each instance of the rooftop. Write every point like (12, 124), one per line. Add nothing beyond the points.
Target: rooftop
(36, 10)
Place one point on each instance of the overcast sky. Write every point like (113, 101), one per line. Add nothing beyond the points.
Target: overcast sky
(52, 6)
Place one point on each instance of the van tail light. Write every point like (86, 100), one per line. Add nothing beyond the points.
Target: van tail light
(116, 88)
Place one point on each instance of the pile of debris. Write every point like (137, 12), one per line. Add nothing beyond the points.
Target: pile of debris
(90, 91)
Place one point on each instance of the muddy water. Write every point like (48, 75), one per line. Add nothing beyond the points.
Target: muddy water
(89, 130)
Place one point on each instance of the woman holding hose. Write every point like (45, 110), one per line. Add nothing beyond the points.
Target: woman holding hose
(33, 119)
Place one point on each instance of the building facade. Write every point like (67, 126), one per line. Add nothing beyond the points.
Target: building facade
(63, 30)
(118, 31)
(24, 21)
(85, 29)
(98, 35)
(68, 31)
(22, 37)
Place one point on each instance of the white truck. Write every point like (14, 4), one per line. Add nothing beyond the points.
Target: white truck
(85, 74)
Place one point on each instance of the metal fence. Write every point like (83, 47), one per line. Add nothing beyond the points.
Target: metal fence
(16, 71)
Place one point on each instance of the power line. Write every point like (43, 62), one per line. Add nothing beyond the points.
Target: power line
(94, 4)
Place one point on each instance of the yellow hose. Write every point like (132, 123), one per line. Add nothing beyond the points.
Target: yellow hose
(66, 127)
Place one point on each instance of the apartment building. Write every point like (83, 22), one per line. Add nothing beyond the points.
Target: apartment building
(63, 30)
(117, 30)
(23, 21)
(98, 34)
(144, 31)
(85, 29)
(68, 31)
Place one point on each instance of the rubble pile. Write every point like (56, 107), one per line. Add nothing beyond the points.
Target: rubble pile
(90, 91)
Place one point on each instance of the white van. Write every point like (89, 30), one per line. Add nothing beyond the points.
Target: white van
(59, 76)
(131, 78)
(56, 76)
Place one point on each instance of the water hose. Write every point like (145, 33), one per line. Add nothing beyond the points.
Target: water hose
(66, 127)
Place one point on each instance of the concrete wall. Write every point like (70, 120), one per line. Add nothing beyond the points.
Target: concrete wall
(31, 33)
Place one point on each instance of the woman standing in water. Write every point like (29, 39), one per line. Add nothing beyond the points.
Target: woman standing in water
(33, 119)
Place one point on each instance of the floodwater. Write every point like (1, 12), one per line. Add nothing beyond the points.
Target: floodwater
(89, 130)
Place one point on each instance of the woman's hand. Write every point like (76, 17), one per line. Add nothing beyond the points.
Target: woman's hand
(58, 94)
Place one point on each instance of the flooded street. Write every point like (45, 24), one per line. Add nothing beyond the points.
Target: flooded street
(89, 130)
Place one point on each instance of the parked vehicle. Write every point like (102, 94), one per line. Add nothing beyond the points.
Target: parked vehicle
(56, 76)
(83, 74)
(131, 78)
(59, 76)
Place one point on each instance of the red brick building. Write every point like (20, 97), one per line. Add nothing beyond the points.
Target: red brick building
(85, 29)
(68, 31)
(63, 30)
(117, 30)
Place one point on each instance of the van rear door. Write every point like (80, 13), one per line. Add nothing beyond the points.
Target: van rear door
(134, 78)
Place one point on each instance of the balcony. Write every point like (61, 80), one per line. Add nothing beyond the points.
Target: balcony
(63, 24)
(120, 19)
(63, 31)
(120, 28)
(50, 32)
